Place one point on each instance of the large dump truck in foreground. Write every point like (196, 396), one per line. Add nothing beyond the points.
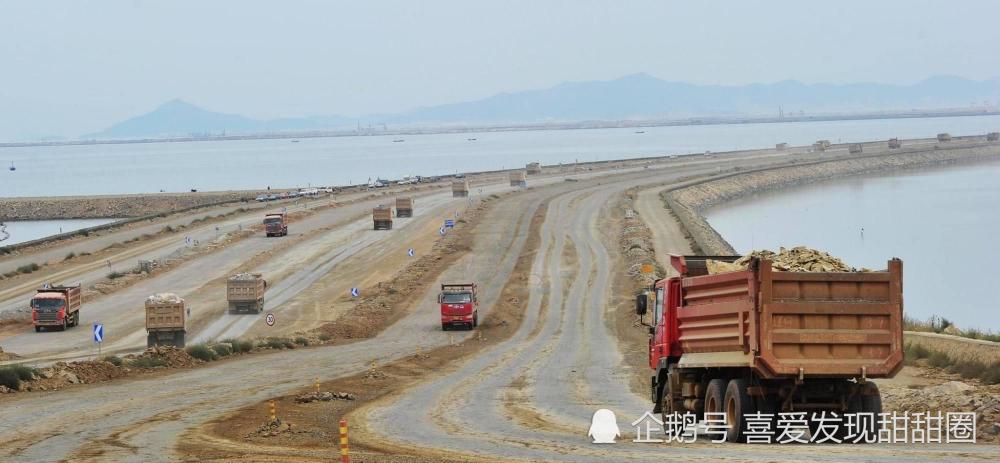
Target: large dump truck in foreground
(165, 320)
(245, 293)
(762, 340)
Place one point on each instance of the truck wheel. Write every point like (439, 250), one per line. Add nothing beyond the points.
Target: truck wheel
(714, 395)
(63, 326)
(872, 403)
(150, 340)
(738, 405)
(76, 318)
(475, 319)
(38, 329)
(666, 395)
(444, 327)
(179, 339)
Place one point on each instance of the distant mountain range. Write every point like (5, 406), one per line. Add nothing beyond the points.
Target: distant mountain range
(633, 97)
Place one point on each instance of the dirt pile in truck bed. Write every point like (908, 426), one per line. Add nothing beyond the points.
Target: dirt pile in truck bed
(164, 298)
(797, 259)
(244, 276)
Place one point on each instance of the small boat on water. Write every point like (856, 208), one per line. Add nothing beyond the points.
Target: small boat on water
(640, 131)
(295, 141)
(12, 168)
(470, 139)
(398, 140)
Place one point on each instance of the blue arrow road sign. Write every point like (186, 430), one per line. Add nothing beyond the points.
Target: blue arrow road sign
(409, 252)
(98, 333)
(441, 231)
(355, 292)
(449, 223)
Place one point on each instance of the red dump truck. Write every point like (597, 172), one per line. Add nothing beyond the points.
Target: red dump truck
(276, 224)
(459, 306)
(761, 340)
(56, 307)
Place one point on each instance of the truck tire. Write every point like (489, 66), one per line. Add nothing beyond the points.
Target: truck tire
(63, 326)
(715, 396)
(444, 326)
(179, 339)
(872, 403)
(475, 319)
(76, 318)
(150, 340)
(38, 329)
(738, 405)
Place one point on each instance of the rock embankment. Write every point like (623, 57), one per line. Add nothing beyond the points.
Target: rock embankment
(690, 201)
(118, 206)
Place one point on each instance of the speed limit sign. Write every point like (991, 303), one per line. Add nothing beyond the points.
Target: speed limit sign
(269, 319)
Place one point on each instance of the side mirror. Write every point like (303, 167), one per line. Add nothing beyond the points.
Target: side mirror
(640, 304)
(440, 298)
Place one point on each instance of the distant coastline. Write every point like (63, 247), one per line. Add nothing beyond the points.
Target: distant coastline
(579, 125)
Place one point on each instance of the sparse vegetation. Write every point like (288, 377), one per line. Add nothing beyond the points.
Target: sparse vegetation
(12, 375)
(115, 275)
(114, 360)
(28, 268)
(988, 373)
(324, 337)
(301, 341)
(222, 350)
(240, 346)
(201, 352)
(277, 343)
(168, 229)
(942, 325)
(148, 362)
(69, 256)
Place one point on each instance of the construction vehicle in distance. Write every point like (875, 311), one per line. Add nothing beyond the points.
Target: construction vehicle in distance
(855, 148)
(895, 143)
(944, 137)
(760, 340)
(821, 145)
(459, 306)
(460, 188)
(165, 320)
(533, 168)
(245, 293)
(780, 146)
(56, 307)
(404, 206)
(993, 136)
(518, 178)
(382, 216)
(276, 224)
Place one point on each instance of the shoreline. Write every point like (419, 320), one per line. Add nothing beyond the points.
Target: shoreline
(689, 200)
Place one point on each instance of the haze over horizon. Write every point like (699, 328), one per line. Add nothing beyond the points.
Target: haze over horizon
(92, 66)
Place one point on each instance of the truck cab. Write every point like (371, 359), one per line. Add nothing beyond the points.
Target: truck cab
(56, 307)
(275, 224)
(459, 306)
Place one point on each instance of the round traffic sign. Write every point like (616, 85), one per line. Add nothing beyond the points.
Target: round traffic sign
(269, 319)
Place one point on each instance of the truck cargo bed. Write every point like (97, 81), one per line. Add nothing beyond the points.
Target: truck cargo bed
(794, 323)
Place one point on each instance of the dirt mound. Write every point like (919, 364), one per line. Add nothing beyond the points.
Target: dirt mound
(274, 428)
(324, 397)
(797, 259)
(167, 356)
(952, 396)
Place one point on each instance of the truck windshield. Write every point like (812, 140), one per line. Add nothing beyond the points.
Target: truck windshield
(46, 304)
(456, 298)
(272, 220)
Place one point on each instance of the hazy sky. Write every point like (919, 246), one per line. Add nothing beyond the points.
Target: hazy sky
(73, 67)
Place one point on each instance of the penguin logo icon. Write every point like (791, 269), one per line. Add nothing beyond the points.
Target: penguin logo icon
(604, 427)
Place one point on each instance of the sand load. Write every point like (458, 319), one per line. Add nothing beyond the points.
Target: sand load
(165, 298)
(797, 259)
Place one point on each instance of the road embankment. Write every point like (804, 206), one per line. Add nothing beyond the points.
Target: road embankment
(689, 200)
(120, 206)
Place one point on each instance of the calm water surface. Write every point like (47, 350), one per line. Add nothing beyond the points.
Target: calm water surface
(27, 230)
(943, 223)
(247, 164)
